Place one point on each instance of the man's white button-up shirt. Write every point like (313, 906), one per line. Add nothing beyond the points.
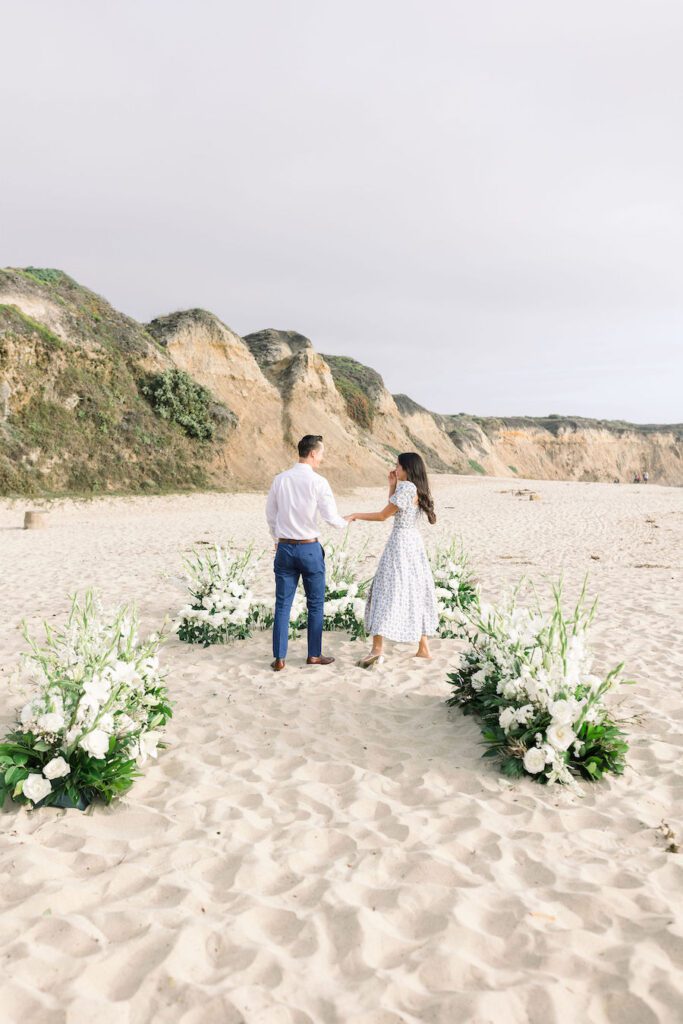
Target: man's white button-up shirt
(296, 499)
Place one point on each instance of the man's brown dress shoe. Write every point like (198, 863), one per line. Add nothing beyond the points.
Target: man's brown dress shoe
(319, 661)
(278, 665)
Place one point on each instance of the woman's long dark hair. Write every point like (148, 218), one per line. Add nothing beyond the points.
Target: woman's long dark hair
(416, 471)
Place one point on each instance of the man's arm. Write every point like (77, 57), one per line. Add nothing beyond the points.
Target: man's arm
(327, 506)
(271, 510)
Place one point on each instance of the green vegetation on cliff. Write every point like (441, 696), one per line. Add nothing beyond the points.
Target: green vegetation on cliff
(78, 421)
(358, 385)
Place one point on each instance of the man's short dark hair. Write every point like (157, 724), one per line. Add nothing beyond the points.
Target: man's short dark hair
(308, 444)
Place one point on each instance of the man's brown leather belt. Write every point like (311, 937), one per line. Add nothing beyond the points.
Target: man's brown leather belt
(282, 540)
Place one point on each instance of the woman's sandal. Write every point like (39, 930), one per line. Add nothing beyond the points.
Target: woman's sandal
(371, 659)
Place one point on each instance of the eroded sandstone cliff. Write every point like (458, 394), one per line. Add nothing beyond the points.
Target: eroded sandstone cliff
(74, 414)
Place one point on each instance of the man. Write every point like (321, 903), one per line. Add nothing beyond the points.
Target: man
(296, 498)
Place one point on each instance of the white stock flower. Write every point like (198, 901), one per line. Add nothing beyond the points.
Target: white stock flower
(27, 714)
(51, 721)
(506, 718)
(478, 679)
(95, 743)
(524, 714)
(106, 722)
(534, 760)
(124, 724)
(57, 768)
(36, 787)
(560, 736)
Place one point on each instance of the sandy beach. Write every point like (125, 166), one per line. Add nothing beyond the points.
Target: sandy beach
(326, 846)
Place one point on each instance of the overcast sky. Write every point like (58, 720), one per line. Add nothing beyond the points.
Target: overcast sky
(482, 199)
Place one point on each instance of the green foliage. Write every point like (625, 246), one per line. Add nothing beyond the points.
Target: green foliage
(175, 396)
(513, 468)
(476, 466)
(44, 275)
(22, 754)
(78, 423)
(13, 313)
(357, 384)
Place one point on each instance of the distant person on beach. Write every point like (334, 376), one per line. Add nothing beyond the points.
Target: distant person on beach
(402, 603)
(296, 499)
(646, 477)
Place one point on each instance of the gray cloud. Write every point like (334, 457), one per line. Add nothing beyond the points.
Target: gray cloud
(483, 201)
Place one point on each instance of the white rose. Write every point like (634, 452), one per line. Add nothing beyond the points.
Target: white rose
(95, 743)
(560, 736)
(57, 768)
(36, 787)
(534, 760)
(50, 722)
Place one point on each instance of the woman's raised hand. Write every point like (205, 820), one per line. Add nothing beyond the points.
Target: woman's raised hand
(392, 477)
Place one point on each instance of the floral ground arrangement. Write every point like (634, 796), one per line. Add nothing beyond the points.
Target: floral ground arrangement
(457, 593)
(222, 606)
(98, 710)
(345, 596)
(527, 676)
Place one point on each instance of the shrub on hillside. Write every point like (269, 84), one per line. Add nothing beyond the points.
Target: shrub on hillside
(175, 396)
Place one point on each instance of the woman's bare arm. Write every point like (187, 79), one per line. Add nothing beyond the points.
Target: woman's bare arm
(374, 517)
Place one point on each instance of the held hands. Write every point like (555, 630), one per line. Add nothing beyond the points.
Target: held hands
(350, 518)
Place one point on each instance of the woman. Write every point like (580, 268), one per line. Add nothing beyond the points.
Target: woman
(401, 605)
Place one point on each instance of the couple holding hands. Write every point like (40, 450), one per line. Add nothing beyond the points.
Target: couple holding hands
(401, 604)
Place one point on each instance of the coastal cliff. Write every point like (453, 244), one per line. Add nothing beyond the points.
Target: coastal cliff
(91, 401)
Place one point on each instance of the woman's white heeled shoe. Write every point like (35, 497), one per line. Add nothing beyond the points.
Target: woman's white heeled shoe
(371, 659)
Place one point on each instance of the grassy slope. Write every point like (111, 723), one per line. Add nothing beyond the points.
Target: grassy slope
(358, 386)
(78, 422)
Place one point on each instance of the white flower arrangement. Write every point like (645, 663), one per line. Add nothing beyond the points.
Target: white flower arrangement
(528, 677)
(222, 605)
(345, 596)
(99, 706)
(457, 593)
